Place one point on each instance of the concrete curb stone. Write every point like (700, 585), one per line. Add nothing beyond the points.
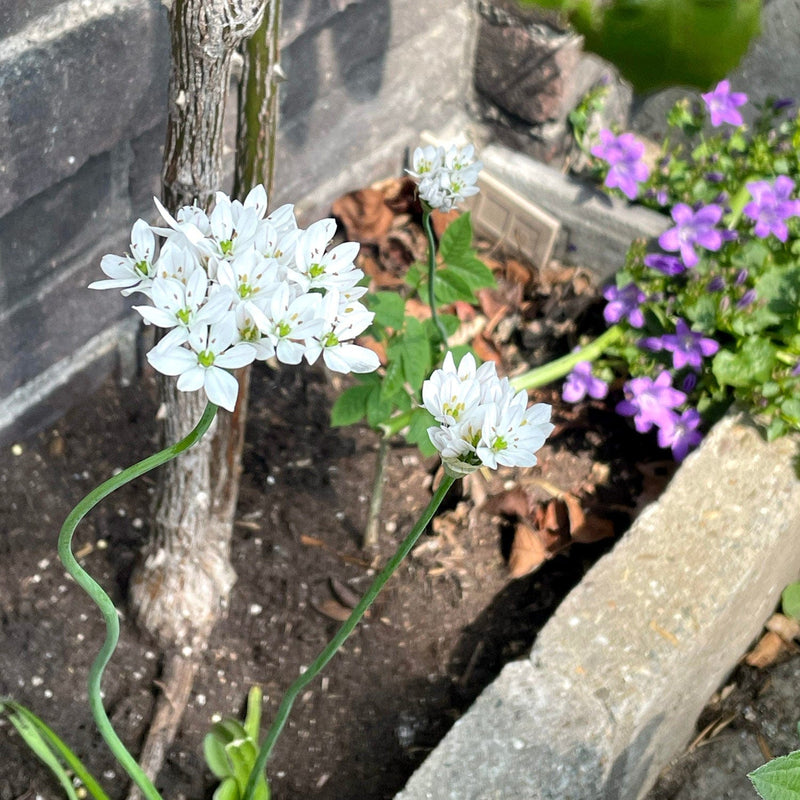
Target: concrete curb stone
(617, 677)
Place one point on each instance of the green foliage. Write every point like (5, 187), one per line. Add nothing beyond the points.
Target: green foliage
(790, 600)
(390, 400)
(778, 779)
(231, 749)
(658, 43)
(52, 751)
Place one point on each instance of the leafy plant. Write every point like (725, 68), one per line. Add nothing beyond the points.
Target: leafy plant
(231, 749)
(390, 400)
(68, 769)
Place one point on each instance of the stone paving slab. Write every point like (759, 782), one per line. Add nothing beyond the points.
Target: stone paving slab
(618, 676)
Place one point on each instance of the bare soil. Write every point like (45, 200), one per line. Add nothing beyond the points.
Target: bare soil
(443, 628)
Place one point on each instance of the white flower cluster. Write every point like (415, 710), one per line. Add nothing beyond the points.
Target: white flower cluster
(483, 421)
(238, 285)
(445, 177)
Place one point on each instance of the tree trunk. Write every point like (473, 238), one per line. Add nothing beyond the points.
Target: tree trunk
(183, 583)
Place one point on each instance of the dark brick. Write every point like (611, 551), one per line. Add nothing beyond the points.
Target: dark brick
(65, 99)
(56, 322)
(145, 170)
(61, 225)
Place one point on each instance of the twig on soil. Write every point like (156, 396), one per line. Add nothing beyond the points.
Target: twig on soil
(176, 687)
(376, 501)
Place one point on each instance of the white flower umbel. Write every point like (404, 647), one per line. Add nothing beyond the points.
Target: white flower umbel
(482, 421)
(206, 364)
(445, 177)
(237, 285)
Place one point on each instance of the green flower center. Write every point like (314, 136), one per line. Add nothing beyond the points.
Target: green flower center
(226, 247)
(142, 267)
(284, 329)
(500, 444)
(245, 290)
(250, 333)
(316, 270)
(184, 315)
(205, 358)
(330, 340)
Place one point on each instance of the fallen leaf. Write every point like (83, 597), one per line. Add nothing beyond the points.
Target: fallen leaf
(364, 215)
(343, 593)
(332, 609)
(527, 551)
(441, 220)
(769, 649)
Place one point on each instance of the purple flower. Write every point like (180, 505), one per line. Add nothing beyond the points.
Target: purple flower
(747, 298)
(650, 401)
(581, 382)
(689, 382)
(795, 370)
(771, 206)
(722, 104)
(782, 104)
(741, 277)
(669, 265)
(624, 157)
(715, 177)
(624, 302)
(687, 346)
(716, 284)
(693, 228)
(680, 433)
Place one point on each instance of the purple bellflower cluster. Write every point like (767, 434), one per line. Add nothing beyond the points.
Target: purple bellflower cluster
(623, 154)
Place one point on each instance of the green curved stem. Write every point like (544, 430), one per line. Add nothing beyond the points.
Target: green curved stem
(428, 226)
(347, 628)
(103, 601)
(554, 370)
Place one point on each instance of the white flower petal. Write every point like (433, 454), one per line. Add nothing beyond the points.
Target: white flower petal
(171, 361)
(193, 379)
(221, 387)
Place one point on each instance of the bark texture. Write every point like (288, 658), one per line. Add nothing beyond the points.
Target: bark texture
(183, 583)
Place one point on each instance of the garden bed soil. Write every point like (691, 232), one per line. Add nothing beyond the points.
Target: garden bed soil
(440, 632)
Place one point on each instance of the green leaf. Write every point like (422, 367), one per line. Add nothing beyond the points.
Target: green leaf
(416, 275)
(449, 286)
(394, 378)
(416, 353)
(778, 779)
(473, 272)
(456, 241)
(389, 308)
(378, 408)
(351, 405)
(227, 790)
(790, 600)
(252, 719)
(751, 365)
(216, 758)
(417, 432)
(56, 744)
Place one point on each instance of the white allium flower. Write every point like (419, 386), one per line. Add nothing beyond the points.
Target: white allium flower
(445, 177)
(341, 325)
(237, 285)
(206, 364)
(134, 272)
(483, 422)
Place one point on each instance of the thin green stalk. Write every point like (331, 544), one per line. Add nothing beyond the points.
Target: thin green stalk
(428, 226)
(103, 601)
(347, 628)
(554, 370)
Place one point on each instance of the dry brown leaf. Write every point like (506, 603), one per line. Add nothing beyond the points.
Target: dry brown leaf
(769, 649)
(364, 214)
(343, 593)
(583, 527)
(513, 502)
(400, 195)
(416, 308)
(527, 551)
(373, 268)
(517, 272)
(485, 349)
(400, 248)
(441, 220)
(332, 609)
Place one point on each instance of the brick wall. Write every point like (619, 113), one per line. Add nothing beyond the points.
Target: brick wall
(82, 120)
